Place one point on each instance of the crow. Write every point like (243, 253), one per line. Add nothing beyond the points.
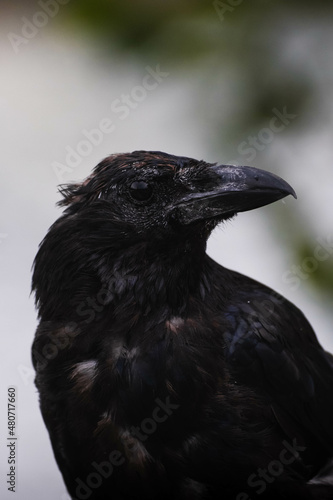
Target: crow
(161, 374)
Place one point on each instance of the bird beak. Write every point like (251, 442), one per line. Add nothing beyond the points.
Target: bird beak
(231, 189)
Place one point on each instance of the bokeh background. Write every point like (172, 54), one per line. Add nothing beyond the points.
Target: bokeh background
(233, 82)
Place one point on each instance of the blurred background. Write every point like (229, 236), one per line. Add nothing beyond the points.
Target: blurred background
(228, 81)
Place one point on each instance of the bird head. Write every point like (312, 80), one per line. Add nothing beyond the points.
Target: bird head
(157, 195)
(137, 214)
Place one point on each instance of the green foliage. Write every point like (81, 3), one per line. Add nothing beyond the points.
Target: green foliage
(319, 272)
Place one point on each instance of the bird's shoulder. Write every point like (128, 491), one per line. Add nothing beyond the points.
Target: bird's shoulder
(272, 348)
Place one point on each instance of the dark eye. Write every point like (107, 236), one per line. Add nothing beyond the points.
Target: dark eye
(140, 190)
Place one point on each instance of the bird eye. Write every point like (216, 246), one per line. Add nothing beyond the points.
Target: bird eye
(140, 190)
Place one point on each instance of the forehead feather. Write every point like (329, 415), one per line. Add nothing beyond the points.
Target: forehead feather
(122, 167)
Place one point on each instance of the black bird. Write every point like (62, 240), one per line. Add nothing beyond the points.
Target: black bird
(163, 375)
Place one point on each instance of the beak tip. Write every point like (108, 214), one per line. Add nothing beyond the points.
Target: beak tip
(292, 192)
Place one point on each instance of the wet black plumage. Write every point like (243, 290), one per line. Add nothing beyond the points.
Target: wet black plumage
(163, 375)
